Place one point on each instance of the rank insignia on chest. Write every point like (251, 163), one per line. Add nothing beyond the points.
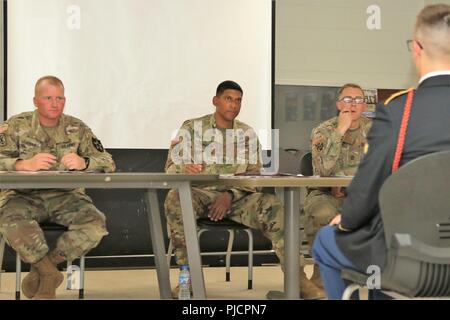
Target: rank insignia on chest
(97, 144)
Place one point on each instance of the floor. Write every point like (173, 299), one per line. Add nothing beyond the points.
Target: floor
(142, 284)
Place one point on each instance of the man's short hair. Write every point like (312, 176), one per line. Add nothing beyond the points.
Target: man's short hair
(228, 85)
(52, 80)
(432, 30)
(348, 85)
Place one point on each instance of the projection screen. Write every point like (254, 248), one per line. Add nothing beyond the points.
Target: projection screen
(135, 69)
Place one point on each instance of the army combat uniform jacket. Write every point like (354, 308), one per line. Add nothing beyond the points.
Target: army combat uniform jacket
(22, 137)
(201, 129)
(337, 154)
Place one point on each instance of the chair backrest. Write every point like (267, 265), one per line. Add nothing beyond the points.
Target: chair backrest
(306, 167)
(415, 209)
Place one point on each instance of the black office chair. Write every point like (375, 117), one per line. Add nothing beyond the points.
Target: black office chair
(306, 167)
(205, 224)
(415, 206)
(46, 227)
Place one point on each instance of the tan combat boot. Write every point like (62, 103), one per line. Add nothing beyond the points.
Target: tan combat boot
(308, 290)
(316, 279)
(49, 279)
(30, 284)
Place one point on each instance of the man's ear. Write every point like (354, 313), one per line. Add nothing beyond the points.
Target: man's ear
(214, 100)
(417, 50)
(34, 102)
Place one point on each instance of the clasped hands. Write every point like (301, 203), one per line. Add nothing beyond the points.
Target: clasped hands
(44, 161)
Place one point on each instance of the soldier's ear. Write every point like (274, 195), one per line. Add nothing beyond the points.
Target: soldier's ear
(34, 101)
(214, 100)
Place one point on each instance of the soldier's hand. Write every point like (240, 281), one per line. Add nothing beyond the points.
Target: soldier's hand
(41, 161)
(336, 220)
(219, 208)
(72, 161)
(344, 120)
(193, 168)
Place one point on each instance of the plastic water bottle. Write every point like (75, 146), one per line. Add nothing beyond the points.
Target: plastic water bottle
(184, 283)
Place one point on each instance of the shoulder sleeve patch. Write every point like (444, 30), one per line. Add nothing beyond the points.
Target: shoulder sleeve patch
(397, 94)
(97, 144)
(2, 140)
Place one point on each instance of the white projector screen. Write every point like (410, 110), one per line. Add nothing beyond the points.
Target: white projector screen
(135, 69)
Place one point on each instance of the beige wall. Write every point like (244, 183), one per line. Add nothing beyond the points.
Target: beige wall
(327, 43)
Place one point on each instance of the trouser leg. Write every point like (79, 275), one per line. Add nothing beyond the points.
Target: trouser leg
(262, 211)
(86, 225)
(200, 200)
(19, 224)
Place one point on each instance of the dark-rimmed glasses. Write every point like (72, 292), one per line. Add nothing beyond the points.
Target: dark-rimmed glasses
(409, 44)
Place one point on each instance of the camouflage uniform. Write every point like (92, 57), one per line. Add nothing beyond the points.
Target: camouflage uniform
(250, 206)
(332, 154)
(21, 211)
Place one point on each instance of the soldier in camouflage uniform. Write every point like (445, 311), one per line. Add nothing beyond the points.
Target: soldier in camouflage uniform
(337, 148)
(49, 140)
(232, 155)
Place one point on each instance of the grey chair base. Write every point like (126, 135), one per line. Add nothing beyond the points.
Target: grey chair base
(359, 283)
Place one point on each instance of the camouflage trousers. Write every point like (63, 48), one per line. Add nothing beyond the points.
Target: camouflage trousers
(257, 210)
(319, 209)
(21, 213)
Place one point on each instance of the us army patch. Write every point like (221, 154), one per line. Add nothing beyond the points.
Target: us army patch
(97, 144)
(2, 140)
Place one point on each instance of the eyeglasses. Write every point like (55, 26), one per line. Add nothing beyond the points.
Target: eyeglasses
(409, 44)
(356, 100)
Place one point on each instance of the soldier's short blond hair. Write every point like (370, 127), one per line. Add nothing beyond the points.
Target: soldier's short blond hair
(52, 80)
(348, 85)
(432, 30)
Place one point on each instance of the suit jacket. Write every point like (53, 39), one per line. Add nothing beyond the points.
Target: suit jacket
(428, 131)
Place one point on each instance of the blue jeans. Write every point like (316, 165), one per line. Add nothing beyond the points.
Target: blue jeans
(331, 261)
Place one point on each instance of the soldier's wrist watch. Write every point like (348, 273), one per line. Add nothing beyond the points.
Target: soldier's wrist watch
(231, 194)
(86, 161)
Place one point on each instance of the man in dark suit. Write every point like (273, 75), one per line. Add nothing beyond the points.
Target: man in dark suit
(355, 239)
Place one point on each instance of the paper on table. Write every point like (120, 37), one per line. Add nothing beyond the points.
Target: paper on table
(47, 172)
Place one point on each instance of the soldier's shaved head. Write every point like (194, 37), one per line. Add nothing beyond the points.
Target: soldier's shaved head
(432, 31)
(52, 80)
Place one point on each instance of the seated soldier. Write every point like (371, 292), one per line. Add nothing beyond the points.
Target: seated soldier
(49, 140)
(337, 147)
(235, 149)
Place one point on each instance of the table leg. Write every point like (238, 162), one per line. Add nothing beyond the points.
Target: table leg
(192, 245)
(291, 243)
(157, 237)
(291, 247)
